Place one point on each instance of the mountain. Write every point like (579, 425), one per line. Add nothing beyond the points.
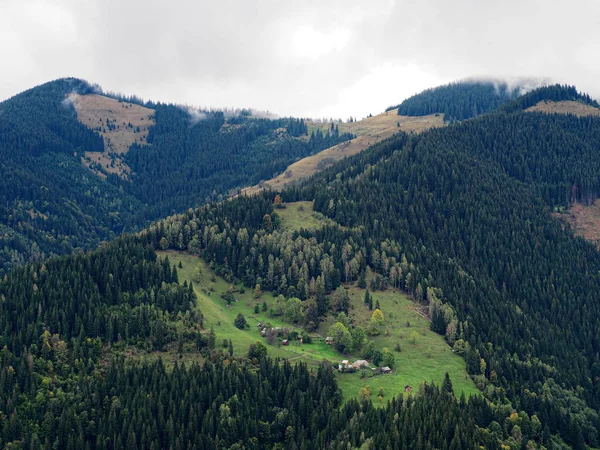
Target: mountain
(554, 93)
(119, 347)
(461, 216)
(462, 100)
(80, 167)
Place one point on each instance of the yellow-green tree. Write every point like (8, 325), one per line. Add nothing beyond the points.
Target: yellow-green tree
(377, 321)
(278, 202)
(365, 394)
(413, 337)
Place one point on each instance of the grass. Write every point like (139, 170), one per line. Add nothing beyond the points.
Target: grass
(368, 132)
(94, 110)
(565, 107)
(221, 318)
(413, 367)
(299, 215)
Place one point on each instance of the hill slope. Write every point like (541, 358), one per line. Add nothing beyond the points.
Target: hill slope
(368, 132)
(146, 161)
(460, 217)
(120, 124)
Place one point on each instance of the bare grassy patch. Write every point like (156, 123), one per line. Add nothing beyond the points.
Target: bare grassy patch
(565, 107)
(585, 221)
(119, 123)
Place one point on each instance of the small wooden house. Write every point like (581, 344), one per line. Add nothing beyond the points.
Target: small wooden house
(385, 369)
(286, 342)
(329, 340)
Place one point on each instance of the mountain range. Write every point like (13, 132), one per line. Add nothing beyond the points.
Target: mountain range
(439, 237)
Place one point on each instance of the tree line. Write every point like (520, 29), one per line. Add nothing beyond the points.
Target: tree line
(458, 101)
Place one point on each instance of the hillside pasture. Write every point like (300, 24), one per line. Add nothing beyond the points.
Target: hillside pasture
(426, 360)
(565, 107)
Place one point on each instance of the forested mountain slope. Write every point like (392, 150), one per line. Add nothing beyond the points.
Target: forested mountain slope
(461, 217)
(67, 324)
(459, 100)
(368, 131)
(466, 206)
(51, 203)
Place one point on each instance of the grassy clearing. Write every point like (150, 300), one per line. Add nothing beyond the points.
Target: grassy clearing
(299, 215)
(413, 367)
(584, 220)
(129, 123)
(565, 107)
(221, 318)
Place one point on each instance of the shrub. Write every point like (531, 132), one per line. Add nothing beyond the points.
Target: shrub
(240, 321)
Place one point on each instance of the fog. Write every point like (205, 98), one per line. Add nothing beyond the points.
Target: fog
(312, 59)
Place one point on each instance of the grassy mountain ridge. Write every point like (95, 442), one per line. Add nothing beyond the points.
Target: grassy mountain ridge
(368, 132)
(556, 92)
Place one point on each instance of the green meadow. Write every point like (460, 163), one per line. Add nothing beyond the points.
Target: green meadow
(424, 356)
(299, 215)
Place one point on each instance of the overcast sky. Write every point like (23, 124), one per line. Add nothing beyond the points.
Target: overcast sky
(310, 58)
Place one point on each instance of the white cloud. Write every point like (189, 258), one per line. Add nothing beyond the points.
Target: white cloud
(308, 43)
(338, 58)
(381, 87)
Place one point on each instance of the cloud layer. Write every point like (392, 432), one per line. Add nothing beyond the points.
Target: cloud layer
(311, 58)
